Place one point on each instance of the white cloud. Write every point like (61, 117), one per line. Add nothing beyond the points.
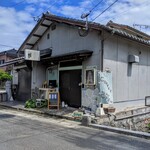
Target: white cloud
(14, 27)
(16, 24)
(30, 9)
(71, 11)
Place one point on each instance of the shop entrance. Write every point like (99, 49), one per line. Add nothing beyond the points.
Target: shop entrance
(70, 89)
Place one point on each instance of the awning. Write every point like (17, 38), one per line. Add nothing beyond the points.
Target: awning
(13, 61)
(43, 53)
(77, 55)
(47, 59)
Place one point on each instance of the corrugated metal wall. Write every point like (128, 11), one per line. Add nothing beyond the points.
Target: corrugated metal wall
(130, 82)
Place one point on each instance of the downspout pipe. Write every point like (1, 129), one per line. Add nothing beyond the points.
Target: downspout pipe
(102, 55)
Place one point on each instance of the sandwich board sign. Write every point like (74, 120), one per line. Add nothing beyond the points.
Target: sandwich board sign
(53, 99)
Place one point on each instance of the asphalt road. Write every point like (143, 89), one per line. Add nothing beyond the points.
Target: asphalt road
(21, 131)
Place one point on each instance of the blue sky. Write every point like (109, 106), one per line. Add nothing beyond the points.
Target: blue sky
(16, 16)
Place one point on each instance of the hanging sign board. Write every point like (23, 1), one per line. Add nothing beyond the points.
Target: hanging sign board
(33, 55)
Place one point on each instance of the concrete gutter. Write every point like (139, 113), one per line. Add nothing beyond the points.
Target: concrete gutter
(39, 112)
(96, 126)
(121, 131)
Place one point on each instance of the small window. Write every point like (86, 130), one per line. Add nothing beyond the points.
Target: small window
(2, 61)
(48, 36)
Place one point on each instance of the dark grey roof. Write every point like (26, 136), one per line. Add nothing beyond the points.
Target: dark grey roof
(96, 26)
(47, 19)
(43, 53)
(12, 61)
(128, 29)
(80, 54)
(11, 53)
(130, 36)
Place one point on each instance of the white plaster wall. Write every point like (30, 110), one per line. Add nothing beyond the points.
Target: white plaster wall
(130, 82)
(65, 39)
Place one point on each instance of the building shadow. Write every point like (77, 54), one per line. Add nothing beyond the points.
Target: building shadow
(6, 116)
(100, 140)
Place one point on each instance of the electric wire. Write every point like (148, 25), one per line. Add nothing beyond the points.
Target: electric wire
(92, 2)
(89, 11)
(96, 5)
(16, 4)
(124, 12)
(105, 10)
(47, 9)
(6, 45)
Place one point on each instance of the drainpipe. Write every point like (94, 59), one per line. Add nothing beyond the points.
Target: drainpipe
(102, 54)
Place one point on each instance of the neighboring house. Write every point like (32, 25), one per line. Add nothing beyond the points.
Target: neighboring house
(6, 56)
(79, 54)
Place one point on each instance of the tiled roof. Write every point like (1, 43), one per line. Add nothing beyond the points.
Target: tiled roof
(11, 53)
(47, 19)
(130, 36)
(97, 26)
(128, 29)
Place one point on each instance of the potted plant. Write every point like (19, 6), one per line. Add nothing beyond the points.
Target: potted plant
(109, 110)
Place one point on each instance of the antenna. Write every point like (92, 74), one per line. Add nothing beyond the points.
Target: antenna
(36, 18)
(83, 16)
(141, 26)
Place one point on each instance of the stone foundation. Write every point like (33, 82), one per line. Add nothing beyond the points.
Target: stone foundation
(132, 119)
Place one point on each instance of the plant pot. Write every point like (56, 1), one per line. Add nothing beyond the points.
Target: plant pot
(109, 110)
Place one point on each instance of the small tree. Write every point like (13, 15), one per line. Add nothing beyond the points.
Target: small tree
(4, 76)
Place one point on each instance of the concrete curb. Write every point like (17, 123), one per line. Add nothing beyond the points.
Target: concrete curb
(43, 113)
(121, 131)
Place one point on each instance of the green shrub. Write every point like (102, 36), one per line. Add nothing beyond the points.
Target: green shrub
(4, 76)
(31, 103)
(148, 125)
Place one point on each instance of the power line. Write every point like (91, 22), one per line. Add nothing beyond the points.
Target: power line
(17, 3)
(36, 18)
(96, 5)
(6, 45)
(105, 9)
(144, 26)
(92, 2)
(123, 12)
(85, 15)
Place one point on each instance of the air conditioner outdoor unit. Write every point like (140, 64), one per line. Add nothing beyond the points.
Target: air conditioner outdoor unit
(33, 55)
(133, 59)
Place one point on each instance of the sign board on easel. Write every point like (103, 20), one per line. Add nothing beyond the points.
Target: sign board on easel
(53, 99)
